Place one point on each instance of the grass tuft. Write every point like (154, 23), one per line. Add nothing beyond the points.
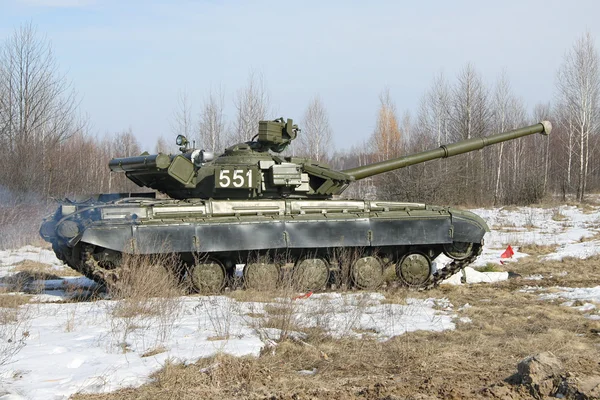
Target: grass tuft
(148, 293)
(538, 249)
(490, 267)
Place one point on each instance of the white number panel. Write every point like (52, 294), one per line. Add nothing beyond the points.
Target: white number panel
(232, 177)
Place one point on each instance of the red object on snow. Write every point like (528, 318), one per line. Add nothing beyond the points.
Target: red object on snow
(304, 296)
(508, 253)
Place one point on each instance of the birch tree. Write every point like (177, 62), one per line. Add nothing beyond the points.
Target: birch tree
(251, 104)
(182, 123)
(578, 87)
(315, 137)
(470, 115)
(211, 126)
(541, 112)
(434, 110)
(508, 113)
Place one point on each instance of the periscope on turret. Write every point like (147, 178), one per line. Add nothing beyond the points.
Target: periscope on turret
(250, 201)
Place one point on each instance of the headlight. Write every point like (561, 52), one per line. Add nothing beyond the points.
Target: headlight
(67, 209)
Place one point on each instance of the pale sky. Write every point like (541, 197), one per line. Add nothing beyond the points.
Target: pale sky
(128, 60)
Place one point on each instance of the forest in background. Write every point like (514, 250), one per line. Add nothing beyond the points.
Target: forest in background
(49, 152)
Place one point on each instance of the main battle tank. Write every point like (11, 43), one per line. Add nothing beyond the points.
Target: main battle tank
(253, 206)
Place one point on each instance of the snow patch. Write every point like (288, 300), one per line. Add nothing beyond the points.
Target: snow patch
(587, 294)
(474, 276)
(81, 347)
(536, 277)
(575, 250)
(575, 297)
(563, 226)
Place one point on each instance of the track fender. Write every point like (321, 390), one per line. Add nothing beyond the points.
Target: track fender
(467, 226)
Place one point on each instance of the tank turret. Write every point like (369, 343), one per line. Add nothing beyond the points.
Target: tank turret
(250, 170)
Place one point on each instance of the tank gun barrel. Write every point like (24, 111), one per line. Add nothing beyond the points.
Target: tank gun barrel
(144, 162)
(448, 150)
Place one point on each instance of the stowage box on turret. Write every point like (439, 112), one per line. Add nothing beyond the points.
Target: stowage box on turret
(252, 206)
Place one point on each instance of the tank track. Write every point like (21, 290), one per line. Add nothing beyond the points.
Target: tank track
(93, 270)
(451, 269)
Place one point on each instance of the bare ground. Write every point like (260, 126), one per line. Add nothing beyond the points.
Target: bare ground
(474, 361)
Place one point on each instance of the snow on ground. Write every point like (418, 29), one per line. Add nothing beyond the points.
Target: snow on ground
(8, 259)
(588, 294)
(586, 300)
(81, 347)
(563, 226)
(577, 250)
(76, 347)
(474, 276)
(62, 348)
(59, 349)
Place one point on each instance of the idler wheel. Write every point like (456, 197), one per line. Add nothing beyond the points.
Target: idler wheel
(458, 250)
(261, 275)
(367, 272)
(311, 274)
(208, 276)
(414, 269)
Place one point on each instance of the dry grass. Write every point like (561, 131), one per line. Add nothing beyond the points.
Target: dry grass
(30, 276)
(454, 364)
(570, 272)
(12, 300)
(250, 295)
(144, 281)
(507, 228)
(471, 362)
(148, 291)
(9, 306)
(587, 208)
(219, 312)
(490, 267)
(558, 216)
(538, 249)
(154, 351)
(15, 314)
(43, 269)
(594, 237)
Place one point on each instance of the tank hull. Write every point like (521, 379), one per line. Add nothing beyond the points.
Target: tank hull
(230, 230)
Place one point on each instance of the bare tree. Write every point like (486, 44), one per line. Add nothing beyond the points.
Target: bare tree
(182, 123)
(251, 104)
(37, 107)
(469, 119)
(470, 109)
(578, 84)
(541, 112)
(386, 142)
(162, 146)
(124, 144)
(387, 138)
(508, 113)
(501, 100)
(434, 110)
(315, 138)
(211, 125)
